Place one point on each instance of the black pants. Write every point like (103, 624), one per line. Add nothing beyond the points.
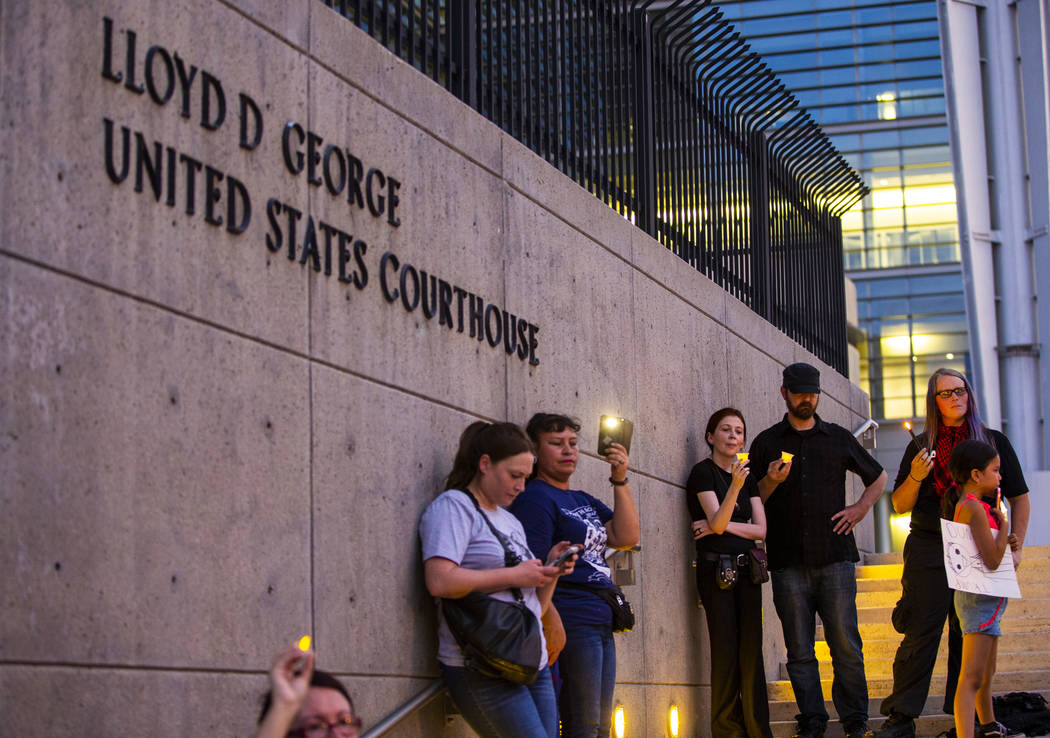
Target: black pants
(924, 604)
(739, 707)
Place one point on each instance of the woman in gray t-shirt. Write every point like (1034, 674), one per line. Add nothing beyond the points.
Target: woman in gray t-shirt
(461, 555)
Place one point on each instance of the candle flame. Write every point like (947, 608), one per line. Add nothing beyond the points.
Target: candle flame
(304, 643)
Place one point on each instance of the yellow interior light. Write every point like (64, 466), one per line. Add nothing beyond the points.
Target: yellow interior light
(672, 721)
(304, 644)
(619, 722)
(887, 103)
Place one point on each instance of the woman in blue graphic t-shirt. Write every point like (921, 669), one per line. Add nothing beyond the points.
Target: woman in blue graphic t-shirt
(551, 511)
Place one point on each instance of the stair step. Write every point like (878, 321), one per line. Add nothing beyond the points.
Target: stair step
(883, 558)
(880, 571)
(1009, 643)
(783, 713)
(1030, 552)
(886, 597)
(1004, 682)
(1016, 608)
(1010, 624)
(927, 726)
(879, 585)
(882, 668)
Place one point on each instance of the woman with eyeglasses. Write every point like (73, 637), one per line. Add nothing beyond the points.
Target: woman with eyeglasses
(922, 480)
(304, 703)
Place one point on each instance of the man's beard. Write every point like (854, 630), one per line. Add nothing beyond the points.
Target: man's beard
(802, 411)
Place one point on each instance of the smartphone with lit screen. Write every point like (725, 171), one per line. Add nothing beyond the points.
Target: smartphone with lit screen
(612, 429)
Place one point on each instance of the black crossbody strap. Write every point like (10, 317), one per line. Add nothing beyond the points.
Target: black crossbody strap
(509, 557)
(719, 482)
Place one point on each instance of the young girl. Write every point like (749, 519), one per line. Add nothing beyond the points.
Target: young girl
(974, 467)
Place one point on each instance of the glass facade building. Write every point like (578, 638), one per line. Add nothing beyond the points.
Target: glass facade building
(869, 71)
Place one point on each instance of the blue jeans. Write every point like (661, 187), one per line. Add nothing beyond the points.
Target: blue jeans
(830, 591)
(588, 672)
(496, 708)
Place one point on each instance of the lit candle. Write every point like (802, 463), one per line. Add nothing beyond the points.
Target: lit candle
(303, 644)
(785, 457)
(907, 427)
(742, 456)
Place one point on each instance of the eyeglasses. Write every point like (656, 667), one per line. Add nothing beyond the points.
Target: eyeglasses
(946, 394)
(346, 726)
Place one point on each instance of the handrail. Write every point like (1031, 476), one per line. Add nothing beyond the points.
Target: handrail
(869, 423)
(437, 687)
(433, 690)
(871, 426)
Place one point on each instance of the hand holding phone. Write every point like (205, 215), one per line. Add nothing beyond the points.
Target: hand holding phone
(612, 429)
(570, 551)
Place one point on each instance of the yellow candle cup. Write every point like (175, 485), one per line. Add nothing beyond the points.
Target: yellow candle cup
(742, 456)
(786, 457)
(304, 644)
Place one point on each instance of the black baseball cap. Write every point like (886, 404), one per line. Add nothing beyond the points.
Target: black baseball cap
(801, 378)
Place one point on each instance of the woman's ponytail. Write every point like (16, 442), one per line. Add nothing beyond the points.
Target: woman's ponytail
(496, 440)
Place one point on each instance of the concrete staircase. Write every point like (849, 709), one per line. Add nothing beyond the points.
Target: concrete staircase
(1024, 649)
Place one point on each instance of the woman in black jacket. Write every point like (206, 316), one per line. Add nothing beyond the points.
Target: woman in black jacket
(951, 416)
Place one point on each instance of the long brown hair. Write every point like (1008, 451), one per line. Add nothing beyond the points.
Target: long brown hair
(974, 425)
(497, 440)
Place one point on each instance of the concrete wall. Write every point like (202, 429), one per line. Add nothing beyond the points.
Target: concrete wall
(208, 449)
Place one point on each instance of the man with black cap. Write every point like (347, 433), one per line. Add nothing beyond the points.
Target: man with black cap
(802, 462)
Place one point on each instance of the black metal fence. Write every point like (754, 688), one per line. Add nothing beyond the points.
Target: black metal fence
(659, 108)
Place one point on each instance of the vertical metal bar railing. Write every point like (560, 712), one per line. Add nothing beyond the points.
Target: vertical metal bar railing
(661, 110)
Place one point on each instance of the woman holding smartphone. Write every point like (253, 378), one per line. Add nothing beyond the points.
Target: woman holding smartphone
(462, 554)
(550, 510)
(728, 517)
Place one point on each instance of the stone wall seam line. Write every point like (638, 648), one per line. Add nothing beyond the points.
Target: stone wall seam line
(310, 349)
(309, 55)
(316, 360)
(149, 302)
(664, 684)
(504, 237)
(570, 224)
(101, 666)
(258, 24)
(728, 375)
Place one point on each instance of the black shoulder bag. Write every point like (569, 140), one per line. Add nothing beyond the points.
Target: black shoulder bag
(623, 618)
(501, 640)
